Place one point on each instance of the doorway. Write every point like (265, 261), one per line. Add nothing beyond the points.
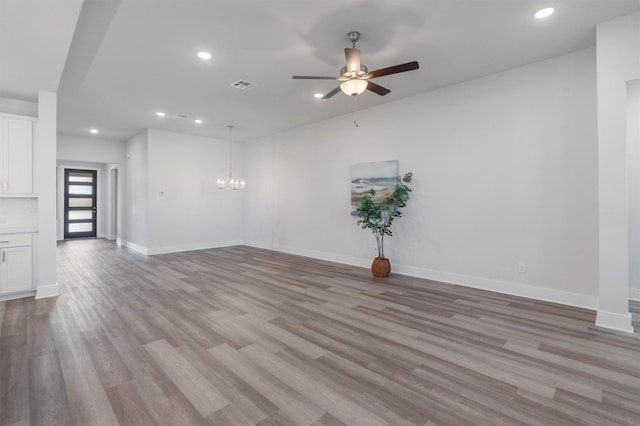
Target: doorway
(80, 206)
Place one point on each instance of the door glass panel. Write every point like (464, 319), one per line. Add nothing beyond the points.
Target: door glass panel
(80, 202)
(81, 227)
(80, 177)
(80, 214)
(80, 189)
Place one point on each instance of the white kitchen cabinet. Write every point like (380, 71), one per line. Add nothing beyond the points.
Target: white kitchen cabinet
(16, 155)
(16, 263)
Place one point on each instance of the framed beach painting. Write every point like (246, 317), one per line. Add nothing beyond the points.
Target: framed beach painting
(381, 176)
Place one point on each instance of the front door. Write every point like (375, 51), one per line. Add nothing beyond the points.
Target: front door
(79, 203)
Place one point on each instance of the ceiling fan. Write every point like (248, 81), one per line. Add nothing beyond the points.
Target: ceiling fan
(355, 77)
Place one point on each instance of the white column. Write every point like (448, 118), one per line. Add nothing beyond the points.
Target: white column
(45, 178)
(618, 57)
(633, 159)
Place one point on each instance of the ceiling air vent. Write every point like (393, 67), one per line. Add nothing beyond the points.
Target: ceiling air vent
(243, 84)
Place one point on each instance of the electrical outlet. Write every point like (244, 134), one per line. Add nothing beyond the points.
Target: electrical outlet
(522, 268)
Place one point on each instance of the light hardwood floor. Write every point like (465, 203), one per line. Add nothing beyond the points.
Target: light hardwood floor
(241, 336)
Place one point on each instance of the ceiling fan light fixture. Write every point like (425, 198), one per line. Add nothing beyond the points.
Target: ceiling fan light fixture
(544, 12)
(354, 86)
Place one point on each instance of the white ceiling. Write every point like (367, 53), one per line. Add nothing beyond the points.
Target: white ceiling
(35, 36)
(131, 58)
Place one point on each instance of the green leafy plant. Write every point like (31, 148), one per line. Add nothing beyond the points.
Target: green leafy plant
(378, 217)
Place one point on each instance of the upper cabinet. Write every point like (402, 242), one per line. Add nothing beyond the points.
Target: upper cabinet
(16, 155)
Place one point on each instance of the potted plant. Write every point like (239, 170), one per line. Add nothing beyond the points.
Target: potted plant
(379, 216)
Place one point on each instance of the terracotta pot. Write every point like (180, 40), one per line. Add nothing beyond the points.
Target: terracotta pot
(381, 267)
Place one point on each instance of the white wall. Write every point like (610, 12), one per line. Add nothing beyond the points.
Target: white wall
(505, 172)
(186, 210)
(18, 107)
(633, 158)
(136, 193)
(91, 150)
(618, 62)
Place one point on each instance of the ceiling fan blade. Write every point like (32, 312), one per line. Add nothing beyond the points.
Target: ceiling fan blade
(409, 66)
(353, 59)
(376, 88)
(311, 77)
(331, 93)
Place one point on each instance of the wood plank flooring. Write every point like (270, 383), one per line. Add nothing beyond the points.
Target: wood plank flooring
(242, 336)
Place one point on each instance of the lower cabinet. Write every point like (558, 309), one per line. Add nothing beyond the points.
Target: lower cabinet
(16, 263)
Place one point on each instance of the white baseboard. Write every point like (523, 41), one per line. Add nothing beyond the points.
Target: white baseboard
(17, 295)
(505, 287)
(135, 247)
(47, 291)
(348, 260)
(192, 246)
(111, 237)
(634, 294)
(179, 248)
(620, 322)
(118, 242)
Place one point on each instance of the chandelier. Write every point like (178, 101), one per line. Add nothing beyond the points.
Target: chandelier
(233, 183)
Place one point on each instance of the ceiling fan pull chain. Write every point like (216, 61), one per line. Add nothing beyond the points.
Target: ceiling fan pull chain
(355, 110)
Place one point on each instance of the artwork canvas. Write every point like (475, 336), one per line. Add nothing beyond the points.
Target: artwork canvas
(381, 176)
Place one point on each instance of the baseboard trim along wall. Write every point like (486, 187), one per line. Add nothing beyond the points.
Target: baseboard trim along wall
(45, 291)
(614, 321)
(193, 246)
(504, 287)
(312, 253)
(135, 247)
(634, 294)
(181, 247)
(20, 295)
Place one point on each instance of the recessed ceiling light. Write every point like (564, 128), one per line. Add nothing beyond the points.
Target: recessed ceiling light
(544, 13)
(197, 121)
(160, 114)
(318, 95)
(94, 131)
(204, 55)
